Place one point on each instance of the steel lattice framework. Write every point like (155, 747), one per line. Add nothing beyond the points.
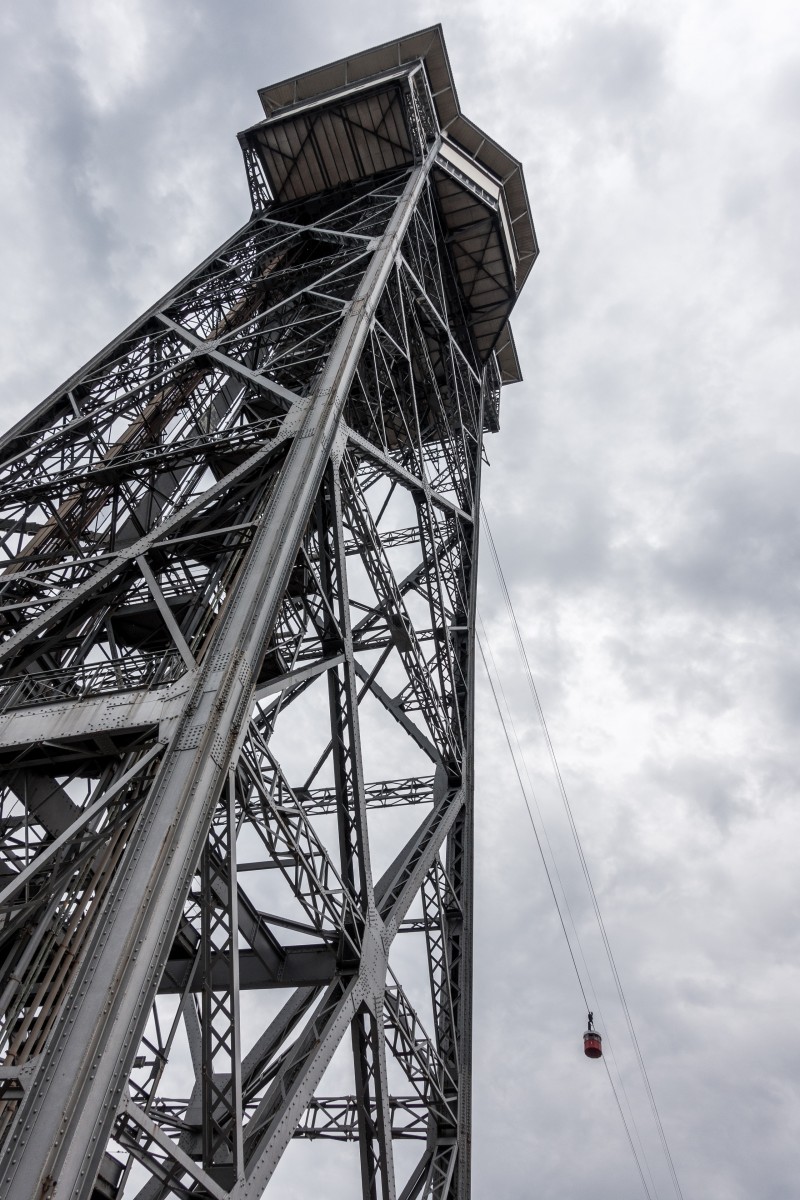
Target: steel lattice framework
(237, 619)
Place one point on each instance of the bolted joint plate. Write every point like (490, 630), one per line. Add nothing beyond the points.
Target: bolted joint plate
(374, 961)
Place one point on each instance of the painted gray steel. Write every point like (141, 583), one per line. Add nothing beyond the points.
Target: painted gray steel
(198, 540)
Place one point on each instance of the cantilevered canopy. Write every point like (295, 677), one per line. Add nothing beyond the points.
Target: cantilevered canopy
(380, 110)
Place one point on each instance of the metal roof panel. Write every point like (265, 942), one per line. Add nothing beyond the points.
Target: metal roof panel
(357, 105)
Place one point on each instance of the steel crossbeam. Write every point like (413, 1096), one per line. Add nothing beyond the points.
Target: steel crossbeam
(238, 559)
(336, 1118)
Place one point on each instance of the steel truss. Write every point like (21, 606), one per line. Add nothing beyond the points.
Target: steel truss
(239, 567)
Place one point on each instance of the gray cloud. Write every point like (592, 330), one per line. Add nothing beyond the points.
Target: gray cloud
(609, 68)
(642, 494)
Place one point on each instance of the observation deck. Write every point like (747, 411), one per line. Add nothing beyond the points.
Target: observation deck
(385, 109)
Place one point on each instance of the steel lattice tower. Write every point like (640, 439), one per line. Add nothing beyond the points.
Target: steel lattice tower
(237, 617)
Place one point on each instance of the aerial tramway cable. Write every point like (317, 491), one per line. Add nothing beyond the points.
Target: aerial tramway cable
(581, 855)
(507, 719)
(558, 910)
(533, 824)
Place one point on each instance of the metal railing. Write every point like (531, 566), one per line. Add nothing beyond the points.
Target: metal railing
(89, 679)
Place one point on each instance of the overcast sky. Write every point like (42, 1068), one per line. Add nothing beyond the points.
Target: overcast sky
(643, 494)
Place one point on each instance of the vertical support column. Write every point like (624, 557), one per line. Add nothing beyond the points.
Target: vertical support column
(372, 1105)
(221, 1080)
(435, 911)
(369, 1047)
(460, 854)
(343, 698)
(437, 603)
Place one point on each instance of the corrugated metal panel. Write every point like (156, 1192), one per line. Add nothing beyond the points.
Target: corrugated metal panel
(507, 359)
(348, 120)
(477, 245)
(427, 45)
(311, 151)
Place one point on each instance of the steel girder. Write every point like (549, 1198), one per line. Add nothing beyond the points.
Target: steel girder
(237, 619)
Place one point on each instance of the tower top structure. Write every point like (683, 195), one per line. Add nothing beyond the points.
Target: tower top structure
(386, 108)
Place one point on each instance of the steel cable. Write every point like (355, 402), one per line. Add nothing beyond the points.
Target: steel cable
(483, 638)
(558, 907)
(581, 856)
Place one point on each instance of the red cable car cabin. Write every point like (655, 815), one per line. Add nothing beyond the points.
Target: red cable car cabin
(592, 1044)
